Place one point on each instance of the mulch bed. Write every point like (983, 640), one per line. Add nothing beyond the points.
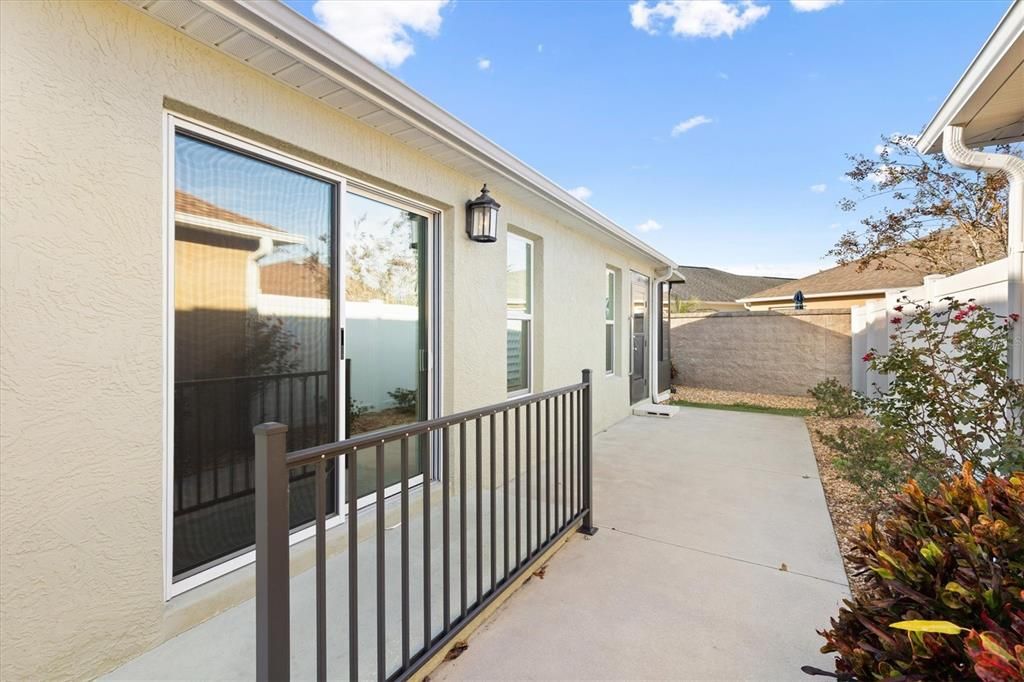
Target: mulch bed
(845, 501)
(713, 396)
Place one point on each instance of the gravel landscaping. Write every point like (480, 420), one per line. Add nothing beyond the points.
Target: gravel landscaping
(713, 396)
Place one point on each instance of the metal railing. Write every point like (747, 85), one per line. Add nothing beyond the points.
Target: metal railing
(545, 492)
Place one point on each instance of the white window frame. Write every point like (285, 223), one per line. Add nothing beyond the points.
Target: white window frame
(523, 316)
(173, 123)
(613, 275)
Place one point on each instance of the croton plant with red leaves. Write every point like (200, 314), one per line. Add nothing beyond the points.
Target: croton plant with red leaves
(955, 557)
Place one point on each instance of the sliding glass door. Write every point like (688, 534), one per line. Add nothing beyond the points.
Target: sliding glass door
(254, 337)
(284, 275)
(386, 326)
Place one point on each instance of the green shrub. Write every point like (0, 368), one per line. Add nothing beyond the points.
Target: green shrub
(834, 399)
(950, 401)
(956, 555)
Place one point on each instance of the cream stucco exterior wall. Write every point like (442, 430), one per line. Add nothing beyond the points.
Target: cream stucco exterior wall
(85, 87)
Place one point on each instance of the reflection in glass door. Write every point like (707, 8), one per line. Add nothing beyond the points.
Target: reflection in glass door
(638, 375)
(254, 321)
(386, 330)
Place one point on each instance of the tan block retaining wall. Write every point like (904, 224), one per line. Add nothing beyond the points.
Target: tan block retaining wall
(778, 351)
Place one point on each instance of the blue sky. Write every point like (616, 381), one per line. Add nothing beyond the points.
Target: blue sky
(771, 98)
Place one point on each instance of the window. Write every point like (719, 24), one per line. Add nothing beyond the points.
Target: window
(519, 314)
(611, 288)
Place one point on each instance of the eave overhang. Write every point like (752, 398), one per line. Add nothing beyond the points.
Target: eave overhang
(988, 100)
(276, 40)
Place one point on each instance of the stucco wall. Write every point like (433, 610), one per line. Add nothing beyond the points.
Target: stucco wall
(84, 89)
(782, 352)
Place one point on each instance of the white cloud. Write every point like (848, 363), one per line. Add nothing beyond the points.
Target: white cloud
(689, 124)
(582, 193)
(819, 188)
(723, 75)
(540, 47)
(649, 225)
(696, 18)
(483, 63)
(380, 30)
(834, 226)
(880, 148)
(813, 5)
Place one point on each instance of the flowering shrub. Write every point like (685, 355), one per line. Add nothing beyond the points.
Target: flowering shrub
(950, 401)
(957, 556)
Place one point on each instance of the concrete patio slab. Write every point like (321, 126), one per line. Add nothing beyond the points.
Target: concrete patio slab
(698, 514)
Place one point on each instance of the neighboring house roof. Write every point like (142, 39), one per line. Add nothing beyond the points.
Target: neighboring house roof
(194, 212)
(193, 205)
(278, 41)
(294, 278)
(988, 100)
(901, 269)
(711, 285)
(843, 280)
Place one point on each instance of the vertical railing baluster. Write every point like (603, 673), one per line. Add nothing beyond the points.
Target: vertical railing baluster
(504, 488)
(273, 660)
(304, 440)
(404, 473)
(519, 496)
(321, 570)
(540, 472)
(353, 566)
(588, 468)
(463, 577)
(381, 621)
(556, 499)
(424, 452)
(547, 469)
(572, 454)
(494, 511)
(565, 461)
(479, 511)
(446, 545)
(529, 484)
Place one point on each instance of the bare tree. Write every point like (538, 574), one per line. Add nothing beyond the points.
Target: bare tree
(934, 214)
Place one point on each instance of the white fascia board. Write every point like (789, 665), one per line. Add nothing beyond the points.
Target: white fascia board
(830, 294)
(1007, 31)
(289, 31)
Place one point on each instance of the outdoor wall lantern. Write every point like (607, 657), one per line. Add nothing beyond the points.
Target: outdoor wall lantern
(482, 217)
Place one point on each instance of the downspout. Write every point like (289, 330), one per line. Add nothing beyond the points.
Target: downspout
(954, 149)
(656, 327)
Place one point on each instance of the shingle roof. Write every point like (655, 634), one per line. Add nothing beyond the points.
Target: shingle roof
(905, 268)
(709, 284)
(193, 205)
(846, 278)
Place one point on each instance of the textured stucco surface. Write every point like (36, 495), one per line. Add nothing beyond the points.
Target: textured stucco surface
(783, 352)
(84, 90)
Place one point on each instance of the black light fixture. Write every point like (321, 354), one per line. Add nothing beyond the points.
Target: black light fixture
(482, 217)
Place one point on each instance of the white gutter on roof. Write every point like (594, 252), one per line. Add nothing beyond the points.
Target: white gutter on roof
(287, 30)
(954, 149)
(1007, 32)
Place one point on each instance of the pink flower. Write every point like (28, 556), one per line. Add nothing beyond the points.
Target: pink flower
(960, 316)
(869, 357)
(1014, 316)
(896, 320)
(898, 309)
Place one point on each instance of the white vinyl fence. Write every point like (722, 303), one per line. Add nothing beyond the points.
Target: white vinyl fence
(871, 326)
